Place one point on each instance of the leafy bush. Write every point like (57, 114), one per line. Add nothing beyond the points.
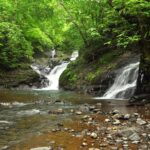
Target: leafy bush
(14, 48)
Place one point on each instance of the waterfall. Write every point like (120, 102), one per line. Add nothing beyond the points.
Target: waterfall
(53, 75)
(124, 83)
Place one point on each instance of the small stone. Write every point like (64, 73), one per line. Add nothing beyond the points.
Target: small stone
(85, 117)
(135, 142)
(109, 136)
(52, 142)
(84, 144)
(114, 148)
(144, 134)
(54, 130)
(115, 111)
(96, 110)
(143, 147)
(99, 104)
(125, 142)
(117, 116)
(93, 149)
(127, 116)
(134, 137)
(148, 126)
(4, 148)
(90, 119)
(103, 145)
(136, 114)
(125, 138)
(116, 122)
(66, 129)
(93, 135)
(118, 141)
(91, 108)
(107, 120)
(72, 130)
(78, 112)
(42, 148)
(125, 145)
(71, 110)
(140, 121)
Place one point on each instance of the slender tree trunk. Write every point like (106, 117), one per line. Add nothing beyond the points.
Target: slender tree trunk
(75, 24)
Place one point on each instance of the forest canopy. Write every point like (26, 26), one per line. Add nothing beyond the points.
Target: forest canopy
(31, 27)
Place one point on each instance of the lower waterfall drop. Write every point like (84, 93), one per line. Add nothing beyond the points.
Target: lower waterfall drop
(124, 84)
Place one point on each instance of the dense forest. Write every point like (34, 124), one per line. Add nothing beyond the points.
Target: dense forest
(74, 74)
(100, 29)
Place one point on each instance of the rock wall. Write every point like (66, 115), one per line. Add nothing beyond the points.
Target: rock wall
(143, 84)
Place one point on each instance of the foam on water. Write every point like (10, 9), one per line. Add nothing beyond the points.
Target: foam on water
(28, 112)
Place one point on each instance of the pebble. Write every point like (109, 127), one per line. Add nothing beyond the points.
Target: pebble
(72, 111)
(134, 137)
(119, 141)
(54, 130)
(103, 145)
(91, 108)
(116, 122)
(109, 136)
(42, 148)
(66, 129)
(140, 121)
(127, 116)
(84, 144)
(99, 104)
(85, 117)
(115, 111)
(143, 147)
(107, 120)
(93, 135)
(136, 114)
(52, 142)
(148, 126)
(125, 145)
(135, 142)
(93, 149)
(114, 148)
(78, 112)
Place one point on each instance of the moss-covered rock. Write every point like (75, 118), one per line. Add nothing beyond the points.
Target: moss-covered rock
(24, 76)
(143, 84)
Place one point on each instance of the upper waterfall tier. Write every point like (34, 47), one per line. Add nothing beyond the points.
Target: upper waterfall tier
(55, 73)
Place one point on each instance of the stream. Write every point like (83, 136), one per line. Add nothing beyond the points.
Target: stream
(25, 114)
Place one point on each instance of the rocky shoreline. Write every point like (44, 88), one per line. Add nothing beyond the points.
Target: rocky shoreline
(93, 129)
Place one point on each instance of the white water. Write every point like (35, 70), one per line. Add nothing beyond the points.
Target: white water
(125, 83)
(54, 75)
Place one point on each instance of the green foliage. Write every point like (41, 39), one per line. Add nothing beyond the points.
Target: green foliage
(93, 27)
(13, 45)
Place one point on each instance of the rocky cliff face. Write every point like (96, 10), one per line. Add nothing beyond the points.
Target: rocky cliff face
(20, 78)
(143, 84)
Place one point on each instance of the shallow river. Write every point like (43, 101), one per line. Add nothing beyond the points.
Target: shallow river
(26, 113)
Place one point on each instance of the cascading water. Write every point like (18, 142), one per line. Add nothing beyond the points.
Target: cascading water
(54, 74)
(124, 84)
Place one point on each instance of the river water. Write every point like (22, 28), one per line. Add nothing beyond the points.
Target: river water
(24, 114)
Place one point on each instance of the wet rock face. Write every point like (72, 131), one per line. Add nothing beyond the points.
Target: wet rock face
(106, 80)
(20, 78)
(143, 82)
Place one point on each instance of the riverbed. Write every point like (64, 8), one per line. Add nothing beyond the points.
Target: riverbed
(30, 119)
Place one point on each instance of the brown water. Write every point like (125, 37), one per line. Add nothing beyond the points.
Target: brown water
(24, 114)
